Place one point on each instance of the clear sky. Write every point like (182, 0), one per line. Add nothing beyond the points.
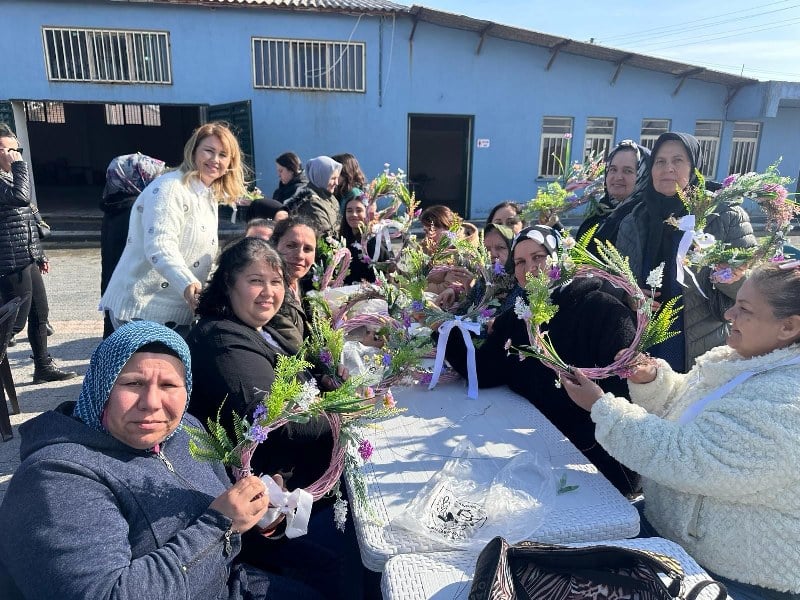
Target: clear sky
(754, 39)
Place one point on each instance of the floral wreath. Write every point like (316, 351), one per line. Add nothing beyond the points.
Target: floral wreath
(700, 249)
(572, 261)
(581, 183)
(392, 222)
(289, 400)
(336, 255)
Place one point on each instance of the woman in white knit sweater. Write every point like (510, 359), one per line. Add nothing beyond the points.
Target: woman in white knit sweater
(172, 235)
(719, 447)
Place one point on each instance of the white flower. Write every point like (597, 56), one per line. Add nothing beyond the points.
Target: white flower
(522, 310)
(655, 277)
(551, 261)
(558, 384)
(569, 264)
(568, 243)
(308, 394)
(703, 240)
(340, 513)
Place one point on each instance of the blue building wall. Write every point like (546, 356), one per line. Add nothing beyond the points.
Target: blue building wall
(505, 88)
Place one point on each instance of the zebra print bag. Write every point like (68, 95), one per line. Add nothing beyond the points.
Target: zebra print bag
(534, 571)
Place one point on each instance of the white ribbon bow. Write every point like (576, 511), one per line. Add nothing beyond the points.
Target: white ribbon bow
(296, 505)
(383, 236)
(686, 224)
(444, 333)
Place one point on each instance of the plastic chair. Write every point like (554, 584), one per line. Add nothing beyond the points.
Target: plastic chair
(8, 314)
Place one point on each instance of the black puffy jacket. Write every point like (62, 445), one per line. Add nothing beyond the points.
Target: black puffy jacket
(19, 238)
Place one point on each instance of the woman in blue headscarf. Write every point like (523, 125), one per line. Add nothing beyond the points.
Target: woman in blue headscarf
(108, 503)
(317, 202)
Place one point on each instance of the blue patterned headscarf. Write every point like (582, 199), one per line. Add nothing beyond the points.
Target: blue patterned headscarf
(110, 357)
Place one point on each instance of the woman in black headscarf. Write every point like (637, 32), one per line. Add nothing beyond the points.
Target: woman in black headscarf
(648, 241)
(627, 174)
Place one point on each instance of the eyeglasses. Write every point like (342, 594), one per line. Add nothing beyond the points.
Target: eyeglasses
(7, 150)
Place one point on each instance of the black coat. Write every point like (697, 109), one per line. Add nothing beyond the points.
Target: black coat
(19, 238)
(287, 191)
(590, 327)
(230, 361)
(360, 270)
(113, 232)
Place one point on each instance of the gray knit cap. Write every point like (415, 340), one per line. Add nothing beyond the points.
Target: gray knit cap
(110, 357)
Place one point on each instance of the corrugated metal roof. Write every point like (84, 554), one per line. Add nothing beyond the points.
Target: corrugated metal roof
(370, 6)
(561, 44)
(489, 28)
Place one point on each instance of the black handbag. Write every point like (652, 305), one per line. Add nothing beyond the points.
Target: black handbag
(41, 225)
(534, 571)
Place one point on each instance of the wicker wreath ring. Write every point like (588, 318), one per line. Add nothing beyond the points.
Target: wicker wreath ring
(626, 357)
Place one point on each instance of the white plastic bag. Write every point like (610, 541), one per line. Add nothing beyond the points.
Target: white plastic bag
(469, 501)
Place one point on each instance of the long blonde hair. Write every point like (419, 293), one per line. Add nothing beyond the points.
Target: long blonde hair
(231, 186)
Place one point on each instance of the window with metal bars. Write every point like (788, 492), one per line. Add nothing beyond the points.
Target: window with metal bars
(309, 65)
(599, 136)
(133, 114)
(107, 56)
(45, 112)
(708, 133)
(745, 146)
(651, 129)
(556, 133)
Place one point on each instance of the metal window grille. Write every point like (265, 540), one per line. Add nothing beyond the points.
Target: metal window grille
(555, 133)
(115, 114)
(599, 136)
(745, 146)
(309, 65)
(45, 112)
(133, 114)
(151, 114)
(651, 129)
(708, 133)
(107, 56)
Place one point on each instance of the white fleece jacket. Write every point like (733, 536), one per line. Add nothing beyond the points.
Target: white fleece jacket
(172, 242)
(726, 485)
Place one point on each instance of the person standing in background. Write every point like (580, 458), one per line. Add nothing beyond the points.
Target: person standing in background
(126, 178)
(172, 237)
(22, 260)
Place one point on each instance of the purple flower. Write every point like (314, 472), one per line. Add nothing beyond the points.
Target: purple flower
(723, 275)
(778, 257)
(259, 412)
(417, 305)
(425, 378)
(326, 357)
(487, 313)
(498, 268)
(365, 259)
(387, 360)
(406, 320)
(554, 272)
(365, 449)
(417, 213)
(257, 433)
(729, 180)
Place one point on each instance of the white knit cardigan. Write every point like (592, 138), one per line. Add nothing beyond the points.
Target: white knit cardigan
(172, 242)
(726, 485)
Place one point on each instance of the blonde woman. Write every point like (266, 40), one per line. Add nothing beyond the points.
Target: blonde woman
(172, 238)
